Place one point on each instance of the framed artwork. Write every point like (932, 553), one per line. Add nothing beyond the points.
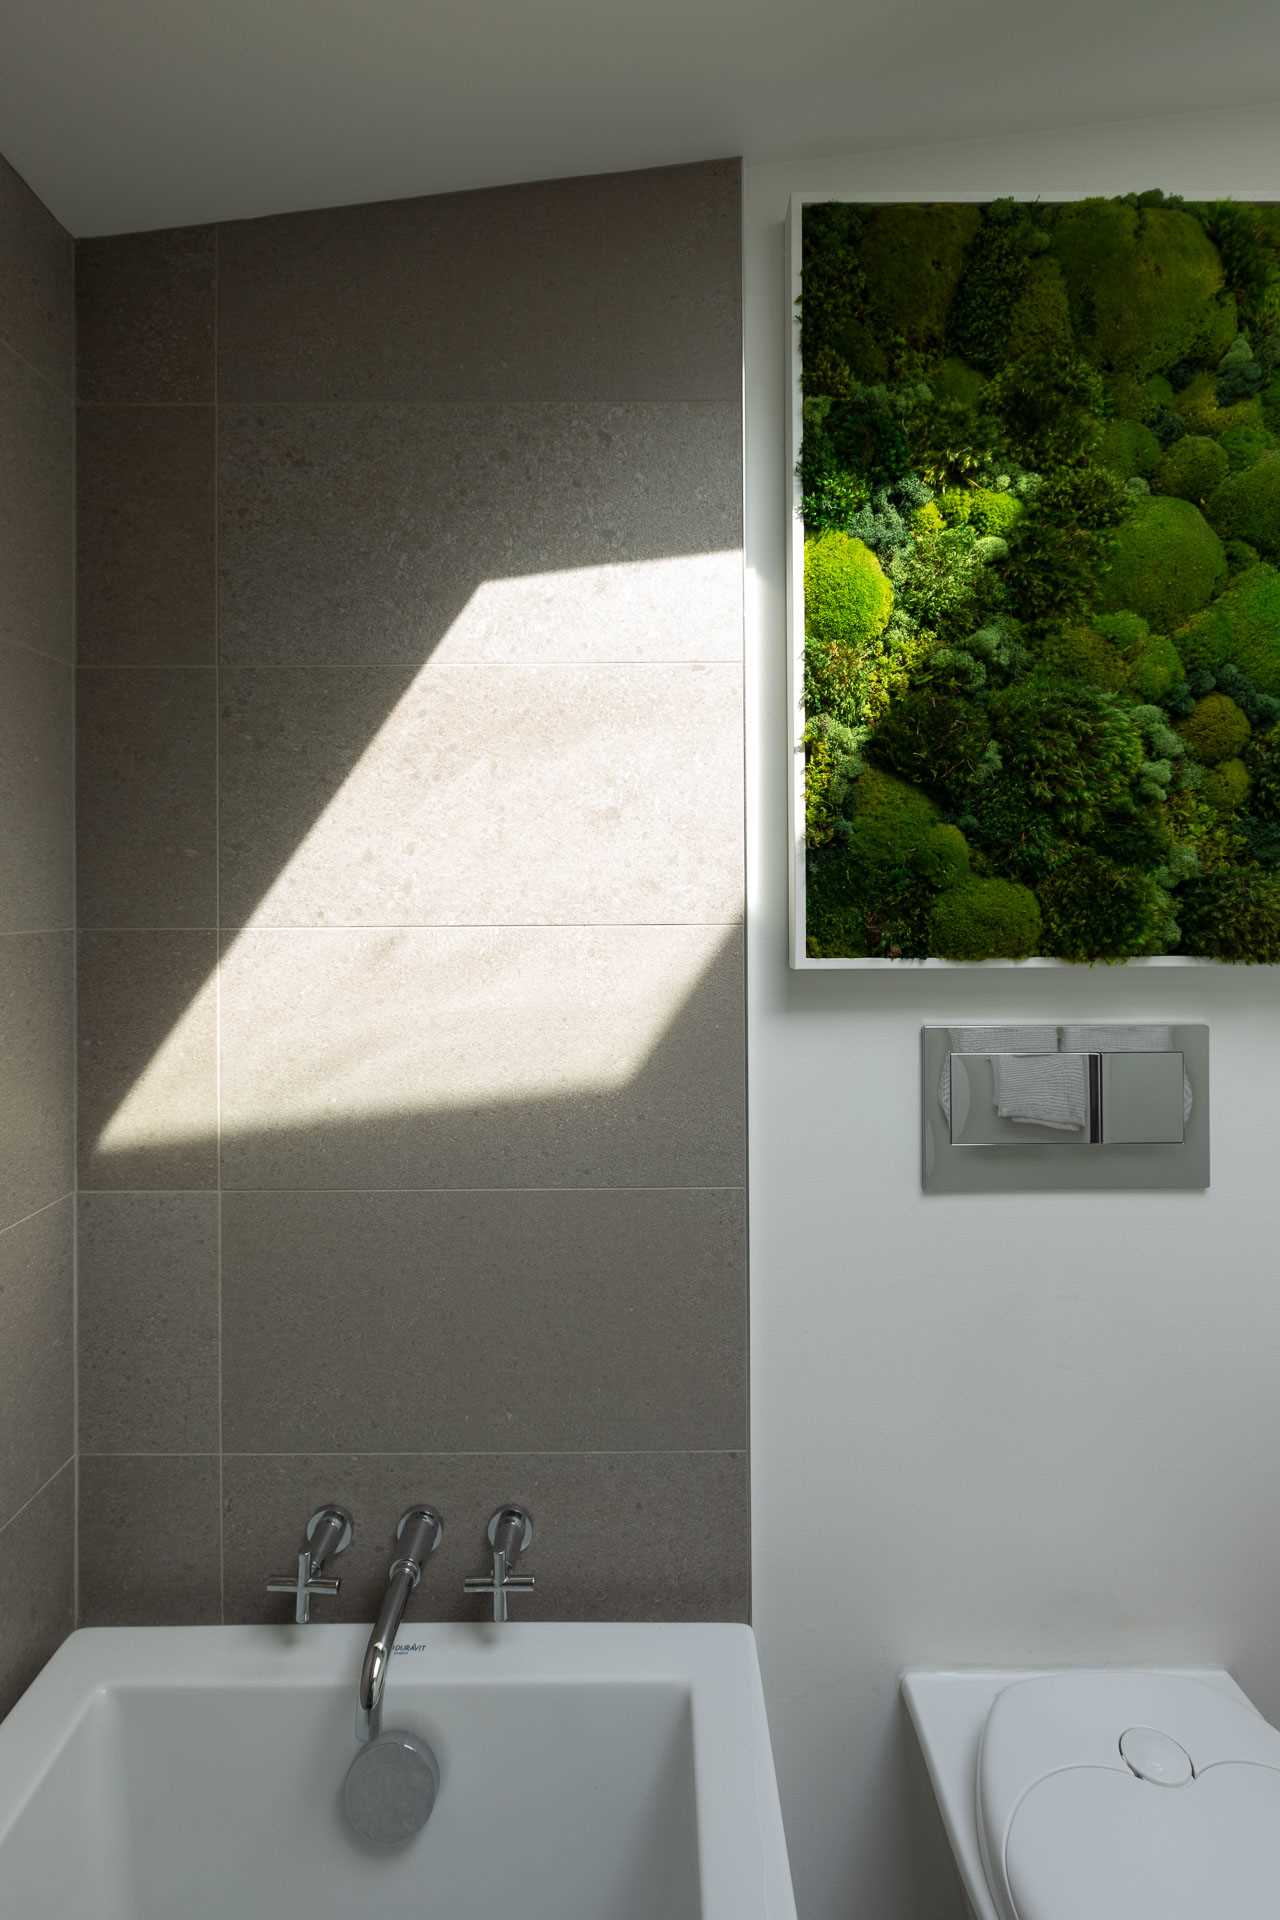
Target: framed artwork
(1034, 581)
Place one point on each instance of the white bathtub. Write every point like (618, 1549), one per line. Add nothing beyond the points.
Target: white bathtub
(587, 1773)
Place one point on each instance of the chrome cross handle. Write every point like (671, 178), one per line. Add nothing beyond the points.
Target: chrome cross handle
(510, 1533)
(328, 1534)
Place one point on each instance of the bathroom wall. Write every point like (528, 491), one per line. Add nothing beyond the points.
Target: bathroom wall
(410, 893)
(37, 637)
(984, 1430)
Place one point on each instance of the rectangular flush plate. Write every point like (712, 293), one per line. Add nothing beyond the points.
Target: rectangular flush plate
(1062, 1108)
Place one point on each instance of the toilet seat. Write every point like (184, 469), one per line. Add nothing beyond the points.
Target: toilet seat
(1073, 1826)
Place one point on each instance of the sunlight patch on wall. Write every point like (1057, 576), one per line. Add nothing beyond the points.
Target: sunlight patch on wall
(484, 882)
(489, 795)
(682, 607)
(343, 1027)
(437, 1019)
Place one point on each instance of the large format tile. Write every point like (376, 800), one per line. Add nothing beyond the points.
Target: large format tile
(145, 315)
(37, 292)
(149, 1540)
(556, 1320)
(37, 511)
(148, 1060)
(37, 1028)
(146, 796)
(368, 533)
(37, 1386)
(37, 1584)
(649, 1536)
(481, 795)
(617, 286)
(148, 1322)
(145, 536)
(36, 787)
(482, 1057)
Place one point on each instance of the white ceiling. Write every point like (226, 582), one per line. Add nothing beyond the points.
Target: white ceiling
(142, 113)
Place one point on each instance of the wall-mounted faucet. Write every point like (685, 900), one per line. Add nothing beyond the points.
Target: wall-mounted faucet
(510, 1535)
(328, 1534)
(418, 1535)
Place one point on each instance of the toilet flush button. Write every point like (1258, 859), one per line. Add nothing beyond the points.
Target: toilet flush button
(1153, 1756)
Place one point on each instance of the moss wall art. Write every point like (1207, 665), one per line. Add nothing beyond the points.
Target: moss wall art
(1039, 474)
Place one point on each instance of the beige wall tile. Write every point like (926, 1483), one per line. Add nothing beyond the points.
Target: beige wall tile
(36, 791)
(37, 510)
(482, 1057)
(567, 531)
(149, 1540)
(145, 315)
(482, 796)
(554, 1320)
(37, 296)
(37, 1413)
(147, 1290)
(37, 1584)
(37, 1149)
(146, 796)
(145, 536)
(616, 286)
(148, 1060)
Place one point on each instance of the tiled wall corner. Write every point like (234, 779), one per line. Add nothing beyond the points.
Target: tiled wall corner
(37, 962)
(411, 876)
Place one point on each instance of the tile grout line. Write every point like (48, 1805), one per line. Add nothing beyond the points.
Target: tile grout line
(35, 1212)
(730, 1450)
(440, 403)
(424, 926)
(217, 906)
(45, 378)
(75, 958)
(730, 662)
(42, 653)
(117, 1193)
(44, 1486)
(150, 406)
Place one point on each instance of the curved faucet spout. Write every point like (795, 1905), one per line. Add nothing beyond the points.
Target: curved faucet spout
(419, 1535)
(373, 1678)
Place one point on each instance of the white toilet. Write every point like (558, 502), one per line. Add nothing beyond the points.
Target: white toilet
(1104, 1794)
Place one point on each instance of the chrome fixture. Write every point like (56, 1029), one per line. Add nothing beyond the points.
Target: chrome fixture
(1074, 1107)
(328, 1534)
(418, 1533)
(510, 1535)
(390, 1789)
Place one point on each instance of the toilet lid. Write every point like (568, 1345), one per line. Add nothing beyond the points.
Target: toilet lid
(1128, 1796)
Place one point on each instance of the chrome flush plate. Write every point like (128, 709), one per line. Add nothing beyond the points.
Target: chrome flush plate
(1058, 1109)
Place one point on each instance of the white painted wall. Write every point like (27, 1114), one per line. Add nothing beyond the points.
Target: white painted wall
(987, 1429)
(186, 112)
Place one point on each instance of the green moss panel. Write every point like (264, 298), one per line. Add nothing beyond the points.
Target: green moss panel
(1041, 483)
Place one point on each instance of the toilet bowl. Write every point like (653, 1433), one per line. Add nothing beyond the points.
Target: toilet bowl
(1103, 1794)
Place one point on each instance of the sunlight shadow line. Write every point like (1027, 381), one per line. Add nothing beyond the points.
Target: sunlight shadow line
(650, 987)
(655, 1006)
